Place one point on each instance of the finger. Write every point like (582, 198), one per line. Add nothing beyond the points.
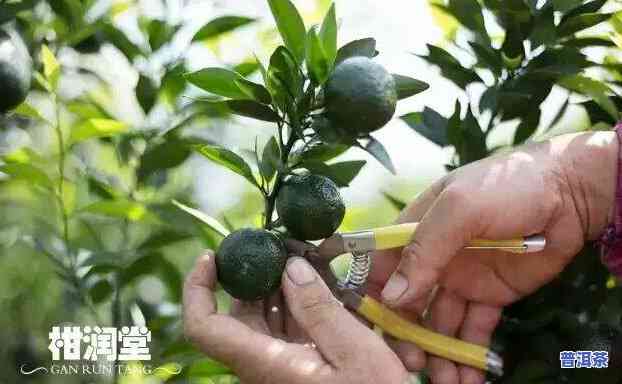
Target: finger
(387, 260)
(294, 332)
(250, 313)
(489, 287)
(413, 358)
(447, 313)
(436, 241)
(411, 355)
(336, 333)
(479, 324)
(220, 336)
(274, 309)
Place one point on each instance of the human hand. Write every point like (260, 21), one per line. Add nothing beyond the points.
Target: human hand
(563, 188)
(265, 347)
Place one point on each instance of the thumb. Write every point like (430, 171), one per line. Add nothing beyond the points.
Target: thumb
(336, 333)
(443, 231)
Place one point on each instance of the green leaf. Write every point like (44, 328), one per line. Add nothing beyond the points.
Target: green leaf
(554, 62)
(472, 142)
(96, 128)
(595, 89)
(221, 25)
(27, 110)
(10, 9)
(379, 152)
(28, 173)
(597, 114)
(121, 41)
(173, 83)
(105, 261)
(583, 42)
(51, 67)
(315, 57)
(322, 152)
(395, 202)
(363, 47)
(102, 189)
(527, 127)
(207, 368)
(328, 35)
(560, 113)
(163, 238)
(154, 263)
(218, 81)
(122, 209)
(227, 83)
(248, 108)
(166, 155)
(254, 91)
(589, 7)
(179, 348)
(212, 223)
(429, 124)
(270, 159)
(544, 31)
(160, 32)
(100, 291)
(85, 110)
(581, 22)
(284, 78)
(69, 10)
(450, 67)
(407, 86)
(469, 14)
(171, 277)
(227, 159)
(146, 93)
(341, 173)
(566, 5)
(454, 134)
(488, 57)
(247, 68)
(290, 26)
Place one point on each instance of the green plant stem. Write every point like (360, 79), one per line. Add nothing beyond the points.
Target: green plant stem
(72, 269)
(270, 199)
(116, 308)
(61, 180)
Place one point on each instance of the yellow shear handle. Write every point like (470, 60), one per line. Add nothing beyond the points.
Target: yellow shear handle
(434, 343)
(401, 234)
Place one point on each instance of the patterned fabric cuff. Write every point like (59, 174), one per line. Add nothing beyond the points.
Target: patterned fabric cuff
(611, 240)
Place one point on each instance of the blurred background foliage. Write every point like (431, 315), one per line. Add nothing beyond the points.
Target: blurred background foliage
(88, 234)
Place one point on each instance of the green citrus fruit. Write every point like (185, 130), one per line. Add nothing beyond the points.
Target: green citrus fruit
(250, 263)
(310, 206)
(15, 70)
(330, 132)
(360, 95)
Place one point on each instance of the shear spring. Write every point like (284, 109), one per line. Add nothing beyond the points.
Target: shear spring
(358, 271)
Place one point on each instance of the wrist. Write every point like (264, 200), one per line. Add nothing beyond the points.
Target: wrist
(590, 162)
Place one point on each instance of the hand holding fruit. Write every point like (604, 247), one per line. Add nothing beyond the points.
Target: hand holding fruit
(563, 188)
(317, 341)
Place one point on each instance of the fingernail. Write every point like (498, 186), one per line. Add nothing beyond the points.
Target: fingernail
(299, 271)
(395, 288)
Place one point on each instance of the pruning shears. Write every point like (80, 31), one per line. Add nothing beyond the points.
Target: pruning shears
(351, 291)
